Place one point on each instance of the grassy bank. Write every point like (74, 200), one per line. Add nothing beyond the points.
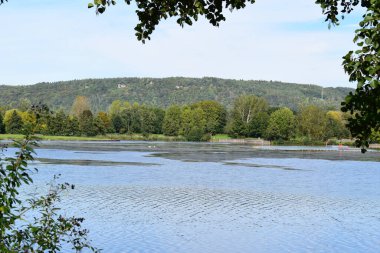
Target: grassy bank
(307, 142)
(218, 137)
(161, 137)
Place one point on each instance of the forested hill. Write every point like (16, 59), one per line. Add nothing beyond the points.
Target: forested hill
(166, 91)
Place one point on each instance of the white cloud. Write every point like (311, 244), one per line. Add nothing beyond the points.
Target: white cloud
(67, 42)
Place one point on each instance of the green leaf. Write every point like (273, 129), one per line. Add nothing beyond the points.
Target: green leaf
(101, 9)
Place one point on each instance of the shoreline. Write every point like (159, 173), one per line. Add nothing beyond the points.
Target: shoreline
(222, 138)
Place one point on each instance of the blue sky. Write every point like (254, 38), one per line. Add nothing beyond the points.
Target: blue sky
(281, 40)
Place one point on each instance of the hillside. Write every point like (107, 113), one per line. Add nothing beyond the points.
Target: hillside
(165, 91)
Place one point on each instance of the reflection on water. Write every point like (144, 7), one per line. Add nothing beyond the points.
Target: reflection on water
(185, 197)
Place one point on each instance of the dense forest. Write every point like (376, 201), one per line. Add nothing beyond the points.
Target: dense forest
(162, 92)
(250, 116)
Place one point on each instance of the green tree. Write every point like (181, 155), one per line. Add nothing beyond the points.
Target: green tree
(147, 120)
(99, 126)
(2, 126)
(58, 124)
(196, 134)
(336, 126)
(247, 109)
(73, 126)
(363, 65)
(281, 125)
(86, 124)
(258, 125)
(193, 124)
(117, 123)
(312, 123)
(29, 121)
(375, 137)
(172, 121)
(159, 119)
(103, 116)
(42, 113)
(131, 118)
(117, 107)
(14, 124)
(80, 105)
(215, 114)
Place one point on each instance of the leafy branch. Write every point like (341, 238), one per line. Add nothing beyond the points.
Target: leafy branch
(46, 231)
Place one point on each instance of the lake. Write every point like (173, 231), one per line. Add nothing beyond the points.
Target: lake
(210, 197)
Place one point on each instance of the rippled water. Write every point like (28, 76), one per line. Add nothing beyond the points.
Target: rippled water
(186, 197)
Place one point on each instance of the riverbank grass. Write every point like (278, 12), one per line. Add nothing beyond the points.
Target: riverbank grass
(218, 137)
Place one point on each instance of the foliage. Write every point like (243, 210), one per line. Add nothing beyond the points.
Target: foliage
(163, 92)
(151, 12)
(215, 115)
(2, 126)
(245, 112)
(332, 8)
(117, 107)
(363, 67)
(73, 126)
(42, 113)
(86, 124)
(172, 121)
(29, 121)
(99, 127)
(13, 122)
(158, 119)
(80, 105)
(258, 125)
(281, 125)
(193, 123)
(196, 134)
(48, 231)
(312, 123)
(24, 104)
(131, 119)
(106, 121)
(117, 123)
(147, 120)
(58, 123)
(335, 125)
(197, 121)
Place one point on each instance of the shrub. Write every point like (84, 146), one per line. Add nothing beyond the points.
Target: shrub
(47, 230)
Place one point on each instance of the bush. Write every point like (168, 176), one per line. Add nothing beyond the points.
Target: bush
(47, 230)
(195, 134)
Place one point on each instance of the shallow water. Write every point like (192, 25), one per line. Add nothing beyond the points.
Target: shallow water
(190, 197)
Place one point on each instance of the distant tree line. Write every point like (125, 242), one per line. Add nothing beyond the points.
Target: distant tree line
(250, 116)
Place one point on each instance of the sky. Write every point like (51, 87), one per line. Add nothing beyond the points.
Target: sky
(282, 40)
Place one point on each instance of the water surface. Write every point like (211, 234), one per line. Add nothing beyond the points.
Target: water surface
(193, 197)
